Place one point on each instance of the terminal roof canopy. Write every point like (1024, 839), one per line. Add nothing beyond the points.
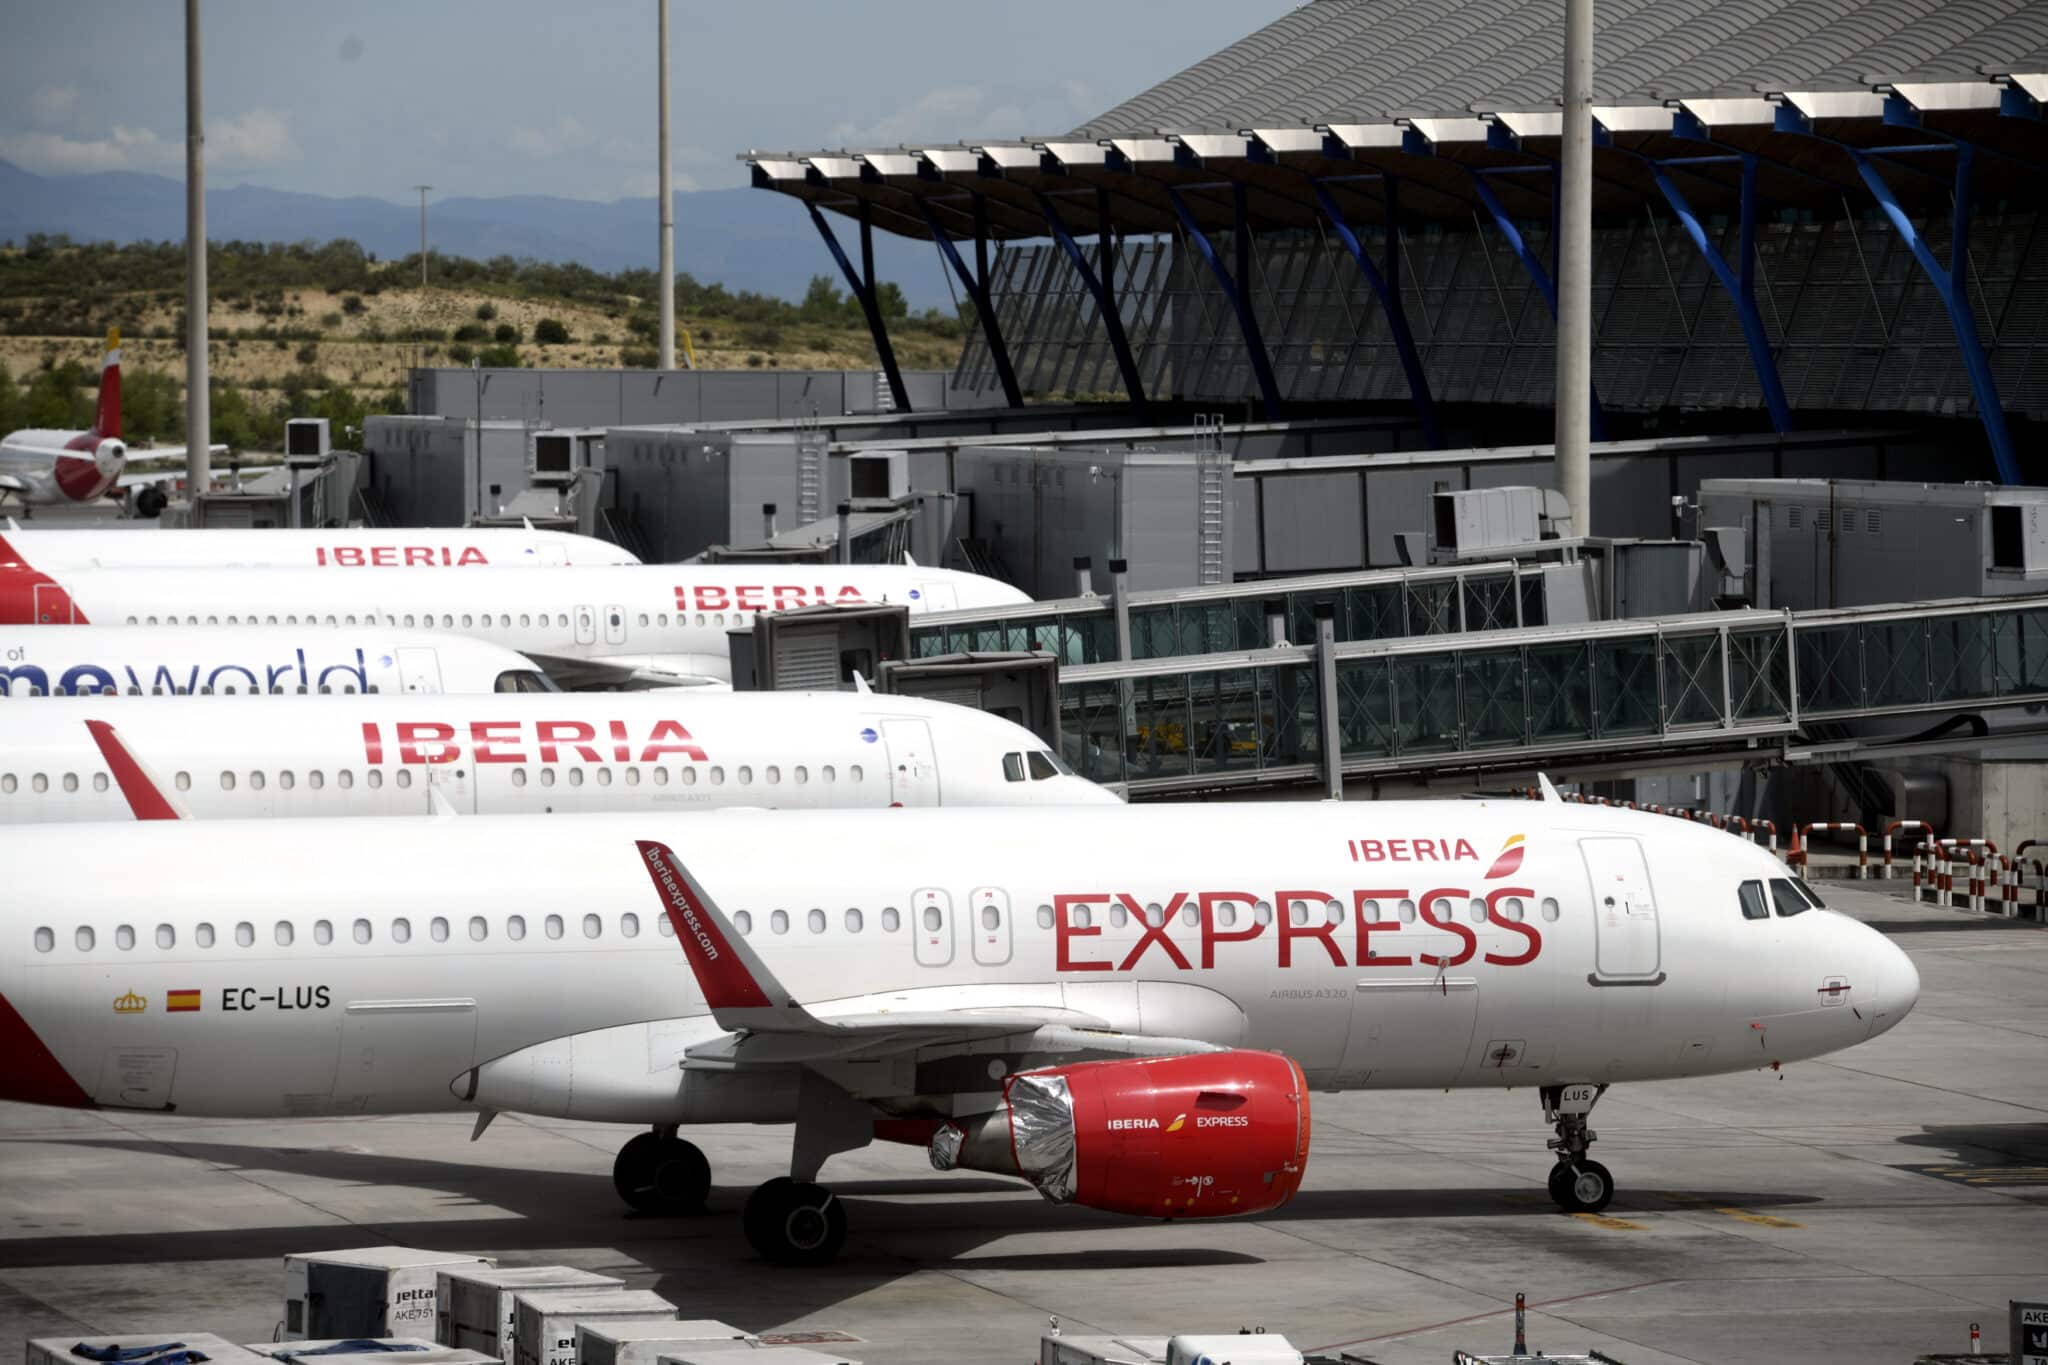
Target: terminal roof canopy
(1431, 91)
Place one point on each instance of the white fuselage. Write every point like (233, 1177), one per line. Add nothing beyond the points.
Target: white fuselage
(148, 545)
(59, 466)
(661, 619)
(162, 661)
(532, 753)
(328, 968)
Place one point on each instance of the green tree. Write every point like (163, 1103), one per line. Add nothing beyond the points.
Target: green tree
(550, 332)
(505, 334)
(485, 312)
(151, 406)
(890, 296)
(10, 402)
(822, 301)
(499, 357)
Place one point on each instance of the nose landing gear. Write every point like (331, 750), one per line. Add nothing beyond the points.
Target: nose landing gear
(1577, 1183)
(659, 1172)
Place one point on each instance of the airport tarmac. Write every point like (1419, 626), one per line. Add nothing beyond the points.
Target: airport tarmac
(1864, 1208)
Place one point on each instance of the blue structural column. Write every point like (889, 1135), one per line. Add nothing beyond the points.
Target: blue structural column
(1387, 288)
(1950, 284)
(976, 284)
(1236, 291)
(1527, 256)
(862, 282)
(1741, 289)
(1105, 302)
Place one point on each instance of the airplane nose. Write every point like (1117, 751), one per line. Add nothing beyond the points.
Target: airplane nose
(1897, 987)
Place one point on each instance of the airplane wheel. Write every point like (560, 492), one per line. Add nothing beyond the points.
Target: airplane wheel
(793, 1222)
(657, 1174)
(1581, 1186)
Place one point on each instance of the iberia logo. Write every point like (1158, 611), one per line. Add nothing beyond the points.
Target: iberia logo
(1178, 1120)
(1509, 859)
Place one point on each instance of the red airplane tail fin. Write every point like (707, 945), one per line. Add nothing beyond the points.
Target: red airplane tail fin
(146, 796)
(107, 421)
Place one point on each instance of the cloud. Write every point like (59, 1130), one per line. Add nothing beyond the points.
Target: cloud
(648, 185)
(259, 137)
(53, 105)
(950, 113)
(565, 137)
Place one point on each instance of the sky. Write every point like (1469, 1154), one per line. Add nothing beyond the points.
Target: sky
(500, 97)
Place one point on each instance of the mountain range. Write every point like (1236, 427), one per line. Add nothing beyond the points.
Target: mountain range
(745, 239)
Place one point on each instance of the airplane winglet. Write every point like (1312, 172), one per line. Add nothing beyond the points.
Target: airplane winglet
(1550, 796)
(860, 683)
(737, 985)
(146, 796)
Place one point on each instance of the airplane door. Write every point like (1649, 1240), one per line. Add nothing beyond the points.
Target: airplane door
(586, 625)
(1626, 946)
(397, 1054)
(913, 771)
(931, 923)
(990, 926)
(53, 605)
(615, 625)
(455, 784)
(1412, 1022)
(937, 596)
(419, 669)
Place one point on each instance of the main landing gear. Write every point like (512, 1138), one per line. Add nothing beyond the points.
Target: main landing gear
(659, 1172)
(794, 1222)
(1578, 1184)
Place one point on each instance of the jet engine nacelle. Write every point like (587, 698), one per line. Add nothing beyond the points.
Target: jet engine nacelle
(1206, 1135)
(109, 456)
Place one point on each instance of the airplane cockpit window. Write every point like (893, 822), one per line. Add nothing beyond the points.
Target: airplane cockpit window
(1043, 765)
(1751, 894)
(1013, 767)
(1812, 897)
(1785, 896)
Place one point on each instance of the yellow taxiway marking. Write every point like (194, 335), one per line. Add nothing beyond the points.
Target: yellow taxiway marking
(1601, 1220)
(1762, 1220)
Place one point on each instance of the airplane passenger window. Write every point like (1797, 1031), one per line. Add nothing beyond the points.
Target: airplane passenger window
(284, 778)
(1477, 909)
(629, 925)
(816, 919)
(1297, 912)
(700, 618)
(227, 780)
(1155, 914)
(1226, 914)
(256, 780)
(519, 777)
(361, 931)
(1333, 912)
(46, 941)
(745, 775)
(779, 921)
(166, 936)
(661, 777)
(40, 782)
(401, 931)
(525, 620)
(575, 777)
(315, 779)
(632, 775)
(283, 933)
(1041, 765)
(853, 921)
(991, 917)
(547, 777)
(717, 776)
(1405, 911)
(408, 618)
(604, 777)
(853, 773)
(403, 777)
(345, 779)
(1262, 912)
(643, 618)
(83, 938)
(799, 774)
(592, 926)
(1751, 897)
(661, 618)
(1082, 917)
(688, 776)
(1013, 767)
(245, 935)
(1549, 908)
(7, 783)
(438, 927)
(667, 930)
(1512, 909)
(1787, 898)
(323, 932)
(891, 920)
(478, 930)
(771, 774)
(124, 937)
(515, 927)
(741, 921)
(1045, 917)
(203, 935)
(1118, 916)
(934, 920)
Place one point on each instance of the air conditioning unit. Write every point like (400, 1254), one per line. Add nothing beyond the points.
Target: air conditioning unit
(554, 459)
(306, 442)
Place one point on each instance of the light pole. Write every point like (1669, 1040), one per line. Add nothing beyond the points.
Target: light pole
(423, 232)
(198, 408)
(668, 217)
(1575, 270)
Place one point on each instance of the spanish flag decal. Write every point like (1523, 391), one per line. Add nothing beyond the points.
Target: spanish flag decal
(181, 1002)
(1509, 859)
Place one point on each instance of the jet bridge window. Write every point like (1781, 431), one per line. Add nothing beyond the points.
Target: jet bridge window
(1785, 895)
(1751, 894)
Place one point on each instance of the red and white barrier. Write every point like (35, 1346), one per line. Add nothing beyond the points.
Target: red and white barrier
(1802, 838)
(1927, 836)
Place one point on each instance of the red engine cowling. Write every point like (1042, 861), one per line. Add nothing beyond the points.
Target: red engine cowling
(1208, 1135)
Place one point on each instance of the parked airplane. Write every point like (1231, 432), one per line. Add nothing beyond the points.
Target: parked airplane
(621, 626)
(356, 547)
(1126, 1008)
(272, 756)
(165, 661)
(42, 466)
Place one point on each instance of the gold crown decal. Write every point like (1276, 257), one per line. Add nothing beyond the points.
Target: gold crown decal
(131, 1003)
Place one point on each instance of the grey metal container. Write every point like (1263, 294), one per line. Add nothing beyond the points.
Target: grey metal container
(476, 1303)
(545, 1320)
(404, 1351)
(643, 1341)
(57, 1350)
(383, 1291)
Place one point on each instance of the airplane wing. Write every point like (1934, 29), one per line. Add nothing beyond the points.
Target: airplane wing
(769, 1026)
(14, 483)
(576, 675)
(169, 453)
